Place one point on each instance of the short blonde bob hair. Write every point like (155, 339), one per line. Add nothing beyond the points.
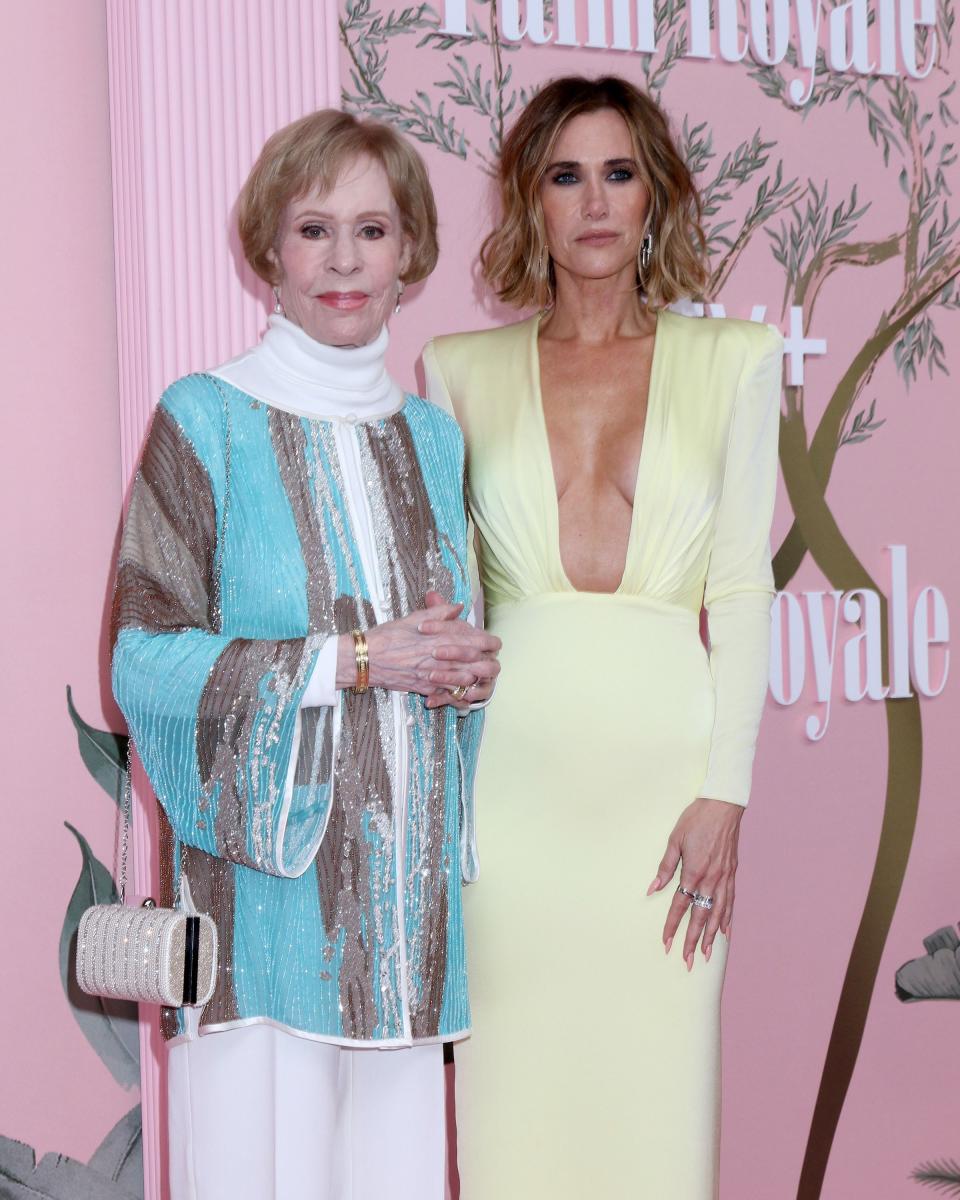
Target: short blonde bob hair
(514, 257)
(311, 153)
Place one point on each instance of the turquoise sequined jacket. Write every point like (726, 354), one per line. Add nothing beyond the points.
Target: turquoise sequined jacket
(328, 842)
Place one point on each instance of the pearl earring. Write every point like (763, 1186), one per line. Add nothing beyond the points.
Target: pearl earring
(278, 303)
(400, 290)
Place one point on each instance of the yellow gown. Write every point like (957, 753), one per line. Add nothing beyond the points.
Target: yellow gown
(593, 1069)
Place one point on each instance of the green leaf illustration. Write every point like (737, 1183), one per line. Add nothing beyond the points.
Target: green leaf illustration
(55, 1177)
(942, 1176)
(110, 1026)
(944, 938)
(936, 975)
(104, 754)
(120, 1155)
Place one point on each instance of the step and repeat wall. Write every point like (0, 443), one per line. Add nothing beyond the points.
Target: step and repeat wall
(822, 138)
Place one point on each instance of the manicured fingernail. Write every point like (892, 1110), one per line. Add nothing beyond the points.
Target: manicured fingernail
(654, 886)
(707, 953)
(689, 961)
(667, 944)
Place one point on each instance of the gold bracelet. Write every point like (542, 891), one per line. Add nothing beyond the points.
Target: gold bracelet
(362, 652)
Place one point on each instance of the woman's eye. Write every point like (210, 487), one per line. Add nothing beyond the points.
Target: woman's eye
(371, 232)
(565, 177)
(313, 232)
(621, 175)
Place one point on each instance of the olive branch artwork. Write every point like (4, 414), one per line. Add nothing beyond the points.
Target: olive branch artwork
(815, 240)
(943, 1176)
(483, 89)
(115, 1172)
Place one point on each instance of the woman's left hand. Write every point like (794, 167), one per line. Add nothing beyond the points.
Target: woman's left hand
(476, 693)
(704, 842)
(462, 699)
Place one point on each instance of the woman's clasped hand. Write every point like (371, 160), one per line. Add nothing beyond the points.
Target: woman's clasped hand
(431, 652)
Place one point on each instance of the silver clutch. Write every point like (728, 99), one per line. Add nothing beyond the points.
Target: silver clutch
(151, 955)
(148, 954)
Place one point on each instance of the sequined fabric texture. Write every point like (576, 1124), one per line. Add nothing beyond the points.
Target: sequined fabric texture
(325, 842)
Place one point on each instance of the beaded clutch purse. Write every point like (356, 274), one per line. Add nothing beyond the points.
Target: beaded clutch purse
(148, 954)
(151, 955)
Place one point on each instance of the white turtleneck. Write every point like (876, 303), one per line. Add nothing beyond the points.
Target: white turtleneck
(292, 371)
(288, 369)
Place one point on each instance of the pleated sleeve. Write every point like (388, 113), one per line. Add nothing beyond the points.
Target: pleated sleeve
(739, 585)
(215, 718)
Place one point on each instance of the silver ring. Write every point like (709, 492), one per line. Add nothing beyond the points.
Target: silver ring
(703, 901)
(683, 892)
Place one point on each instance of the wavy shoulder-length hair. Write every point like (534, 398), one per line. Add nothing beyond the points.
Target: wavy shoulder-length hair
(514, 258)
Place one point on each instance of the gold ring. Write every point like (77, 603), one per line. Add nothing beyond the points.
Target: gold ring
(459, 692)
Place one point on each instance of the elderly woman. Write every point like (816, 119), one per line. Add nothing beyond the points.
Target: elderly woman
(622, 468)
(289, 656)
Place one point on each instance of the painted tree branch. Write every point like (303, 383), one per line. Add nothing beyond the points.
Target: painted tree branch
(835, 558)
(369, 62)
(497, 72)
(373, 89)
(911, 248)
(756, 221)
(826, 441)
(846, 254)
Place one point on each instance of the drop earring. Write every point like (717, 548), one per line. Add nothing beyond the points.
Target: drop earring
(646, 252)
(543, 276)
(400, 288)
(278, 303)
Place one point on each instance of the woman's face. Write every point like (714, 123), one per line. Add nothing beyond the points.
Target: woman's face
(340, 256)
(594, 201)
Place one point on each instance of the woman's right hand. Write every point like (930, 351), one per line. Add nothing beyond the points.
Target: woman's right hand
(428, 650)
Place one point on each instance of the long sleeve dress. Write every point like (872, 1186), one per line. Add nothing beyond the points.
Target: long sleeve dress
(292, 495)
(594, 1066)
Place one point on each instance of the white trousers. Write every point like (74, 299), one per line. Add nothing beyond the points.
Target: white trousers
(259, 1114)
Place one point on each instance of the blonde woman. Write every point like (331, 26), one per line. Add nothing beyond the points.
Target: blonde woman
(289, 657)
(621, 467)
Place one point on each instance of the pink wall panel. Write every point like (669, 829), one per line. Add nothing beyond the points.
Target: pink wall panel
(195, 89)
(59, 496)
(196, 86)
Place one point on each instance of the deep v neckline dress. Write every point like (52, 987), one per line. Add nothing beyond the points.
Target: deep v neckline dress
(548, 481)
(593, 1068)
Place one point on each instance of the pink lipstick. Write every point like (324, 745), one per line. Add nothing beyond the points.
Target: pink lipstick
(343, 301)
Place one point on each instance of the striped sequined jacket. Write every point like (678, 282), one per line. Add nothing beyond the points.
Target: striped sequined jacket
(327, 843)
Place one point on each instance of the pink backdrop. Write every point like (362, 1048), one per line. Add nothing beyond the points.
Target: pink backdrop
(60, 483)
(812, 832)
(811, 838)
